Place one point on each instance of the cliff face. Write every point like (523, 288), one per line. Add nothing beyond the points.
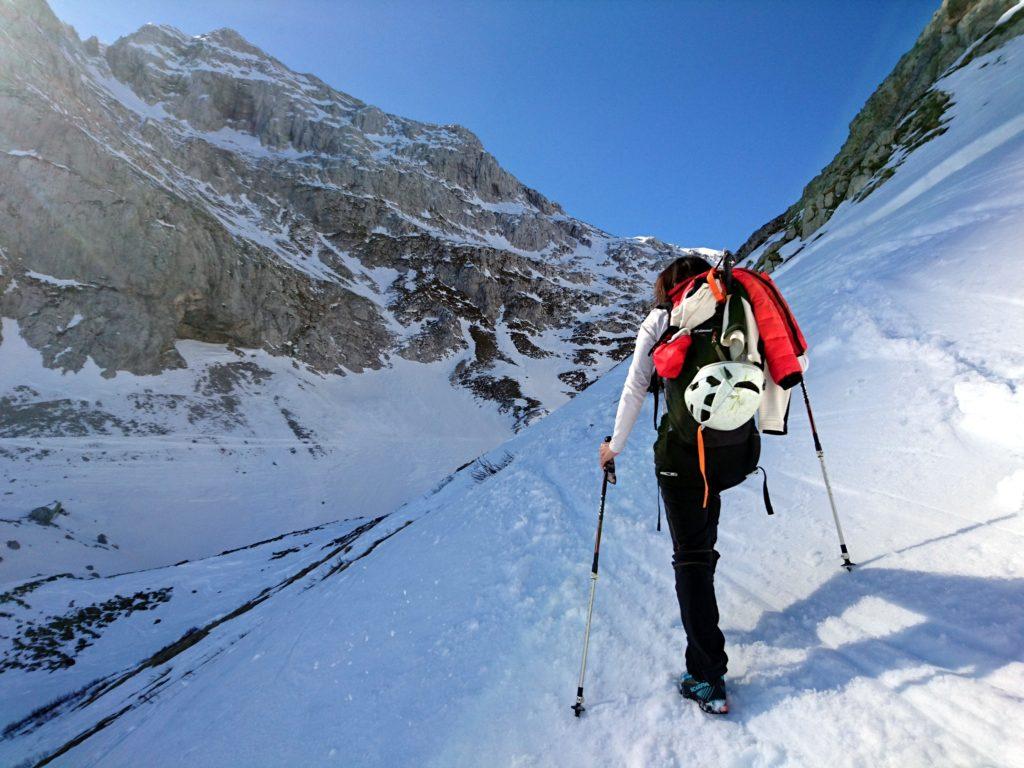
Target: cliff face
(170, 187)
(902, 114)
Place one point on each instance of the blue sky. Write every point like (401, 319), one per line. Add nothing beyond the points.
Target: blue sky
(695, 122)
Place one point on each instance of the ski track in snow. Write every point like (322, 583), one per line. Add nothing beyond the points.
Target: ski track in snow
(451, 637)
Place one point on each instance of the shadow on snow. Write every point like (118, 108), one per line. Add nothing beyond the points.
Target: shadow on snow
(965, 625)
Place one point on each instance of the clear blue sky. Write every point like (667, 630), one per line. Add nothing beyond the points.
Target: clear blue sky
(695, 122)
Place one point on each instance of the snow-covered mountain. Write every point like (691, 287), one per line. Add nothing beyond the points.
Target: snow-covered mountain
(448, 632)
(169, 187)
(211, 263)
(906, 111)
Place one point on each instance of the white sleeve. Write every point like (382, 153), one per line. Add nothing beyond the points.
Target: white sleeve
(773, 413)
(638, 379)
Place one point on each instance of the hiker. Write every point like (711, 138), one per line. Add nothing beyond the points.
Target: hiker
(710, 350)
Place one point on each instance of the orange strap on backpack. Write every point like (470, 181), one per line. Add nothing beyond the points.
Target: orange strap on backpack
(717, 290)
(700, 459)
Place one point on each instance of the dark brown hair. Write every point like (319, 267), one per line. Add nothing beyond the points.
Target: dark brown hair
(680, 270)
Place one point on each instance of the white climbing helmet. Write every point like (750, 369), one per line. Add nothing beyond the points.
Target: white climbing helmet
(725, 395)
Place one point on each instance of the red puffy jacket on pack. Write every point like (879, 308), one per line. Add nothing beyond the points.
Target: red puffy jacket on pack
(782, 338)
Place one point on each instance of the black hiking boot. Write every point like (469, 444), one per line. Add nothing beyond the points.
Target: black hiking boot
(710, 697)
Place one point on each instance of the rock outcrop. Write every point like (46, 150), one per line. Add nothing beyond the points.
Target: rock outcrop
(904, 112)
(169, 187)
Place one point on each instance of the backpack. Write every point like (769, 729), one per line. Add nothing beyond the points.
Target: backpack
(718, 381)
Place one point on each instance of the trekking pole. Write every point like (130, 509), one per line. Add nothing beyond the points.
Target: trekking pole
(847, 563)
(729, 262)
(609, 477)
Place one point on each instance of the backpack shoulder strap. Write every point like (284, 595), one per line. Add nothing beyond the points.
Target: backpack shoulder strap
(668, 333)
(656, 389)
(655, 386)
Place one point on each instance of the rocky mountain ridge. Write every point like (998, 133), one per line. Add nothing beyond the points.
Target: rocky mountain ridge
(169, 187)
(904, 112)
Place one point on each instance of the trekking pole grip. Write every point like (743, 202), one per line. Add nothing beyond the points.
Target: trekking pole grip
(609, 466)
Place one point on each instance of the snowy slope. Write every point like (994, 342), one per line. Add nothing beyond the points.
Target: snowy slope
(455, 641)
(238, 446)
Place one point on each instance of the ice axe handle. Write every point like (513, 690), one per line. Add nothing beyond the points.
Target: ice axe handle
(609, 467)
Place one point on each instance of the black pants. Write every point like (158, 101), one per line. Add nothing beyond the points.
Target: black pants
(694, 530)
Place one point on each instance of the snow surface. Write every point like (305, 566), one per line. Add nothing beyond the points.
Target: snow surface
(178, 487)
(455, 640)
(59, 282)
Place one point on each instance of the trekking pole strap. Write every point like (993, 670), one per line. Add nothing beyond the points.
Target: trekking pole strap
(656, 384)
(764, 491)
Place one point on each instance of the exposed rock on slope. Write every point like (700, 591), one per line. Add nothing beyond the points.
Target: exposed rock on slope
(170, 187)
(903, 113)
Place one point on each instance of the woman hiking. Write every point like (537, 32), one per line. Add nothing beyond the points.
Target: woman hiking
(710, 340)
